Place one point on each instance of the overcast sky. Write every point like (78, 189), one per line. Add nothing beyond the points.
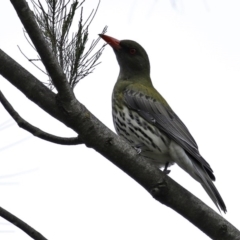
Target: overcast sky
(72, 192)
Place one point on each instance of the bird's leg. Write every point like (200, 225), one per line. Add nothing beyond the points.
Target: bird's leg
(165, 170)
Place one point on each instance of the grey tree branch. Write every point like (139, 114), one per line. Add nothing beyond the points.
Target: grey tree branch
(96, 135)
(34, 130)
(22, 225)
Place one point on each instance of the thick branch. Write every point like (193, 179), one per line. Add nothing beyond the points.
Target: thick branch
(50, 62)
(114, 148)
(34, 130)
(22, 225)
(27, 83)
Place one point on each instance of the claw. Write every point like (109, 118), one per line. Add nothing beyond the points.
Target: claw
(165, 170)
(139, 150)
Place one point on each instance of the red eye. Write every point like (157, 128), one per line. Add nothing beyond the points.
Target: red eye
(132, 51)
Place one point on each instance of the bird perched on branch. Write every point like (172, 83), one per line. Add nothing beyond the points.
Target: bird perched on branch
(143, 117)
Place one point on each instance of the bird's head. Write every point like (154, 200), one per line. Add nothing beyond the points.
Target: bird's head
(131, 56)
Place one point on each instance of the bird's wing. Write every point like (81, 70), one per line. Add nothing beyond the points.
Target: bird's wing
(159, 113)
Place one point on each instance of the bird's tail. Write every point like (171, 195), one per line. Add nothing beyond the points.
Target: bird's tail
(202, 177)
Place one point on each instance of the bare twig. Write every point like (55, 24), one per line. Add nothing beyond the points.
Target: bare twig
(21, 224)
(34, 130)
(32, 61)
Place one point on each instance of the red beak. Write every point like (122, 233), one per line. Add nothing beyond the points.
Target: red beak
(114, 43)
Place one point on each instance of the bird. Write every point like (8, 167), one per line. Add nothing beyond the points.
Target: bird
(144, 118)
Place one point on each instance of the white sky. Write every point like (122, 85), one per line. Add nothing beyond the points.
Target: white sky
(68, 192)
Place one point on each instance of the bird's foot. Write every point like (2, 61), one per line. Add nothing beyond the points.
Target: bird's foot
(138, 149)
(165, 170)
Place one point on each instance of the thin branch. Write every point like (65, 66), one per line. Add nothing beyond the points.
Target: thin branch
(31, 61)
(34, 130)
(21, 224)
(28, 40)
(93, 15)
